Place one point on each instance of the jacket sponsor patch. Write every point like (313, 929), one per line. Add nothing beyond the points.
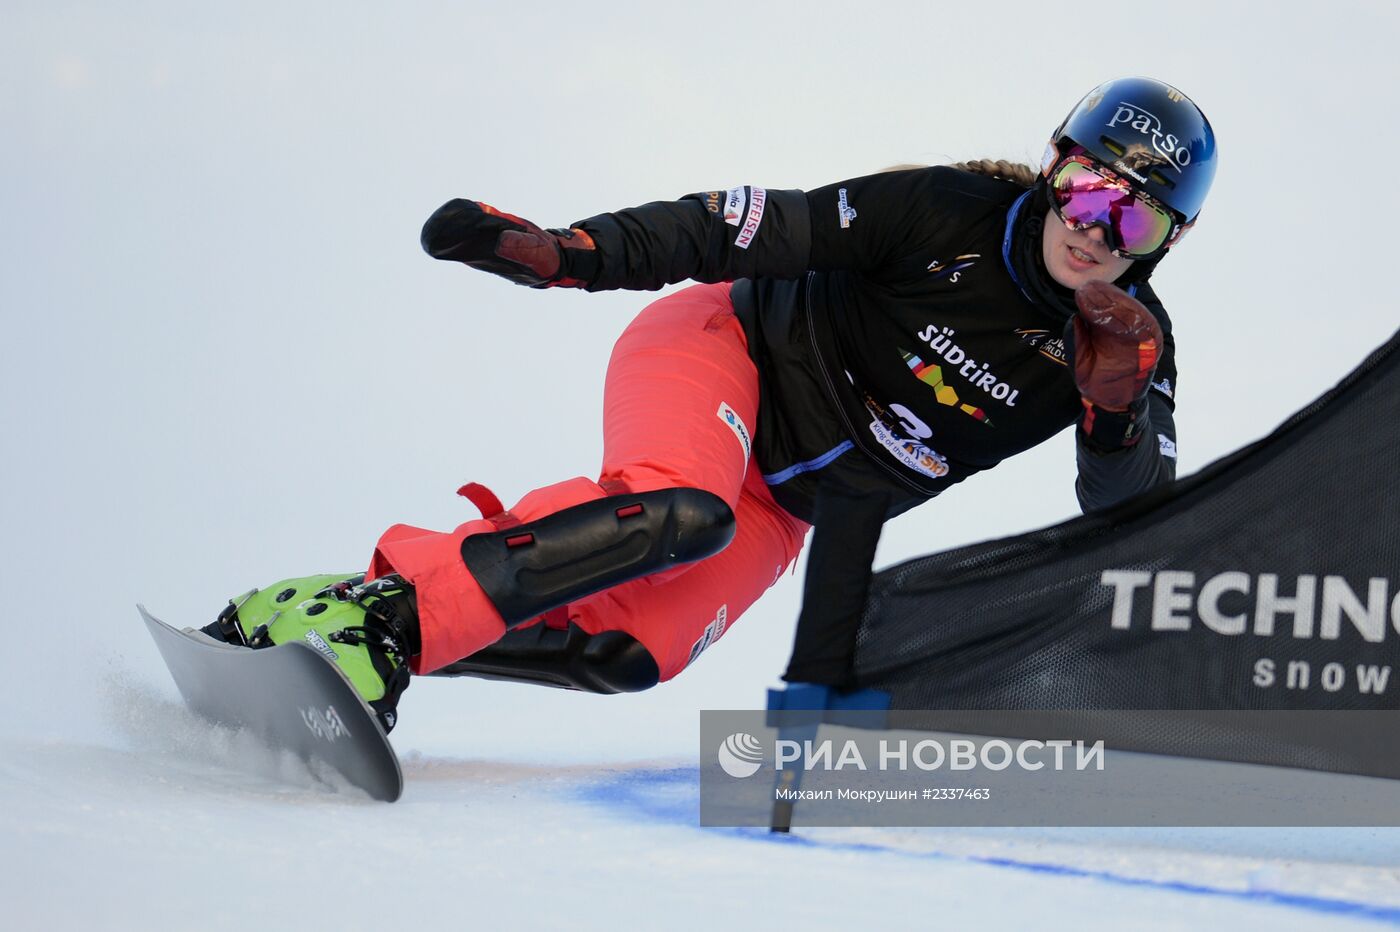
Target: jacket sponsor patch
(711, 634)
(758, 198)
(1166, 445)
(844, 210)
(734, 202)
(911, 453)
(736, 424)
(1165, 387)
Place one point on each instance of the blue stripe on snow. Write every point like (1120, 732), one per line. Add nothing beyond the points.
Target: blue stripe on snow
(672, 795)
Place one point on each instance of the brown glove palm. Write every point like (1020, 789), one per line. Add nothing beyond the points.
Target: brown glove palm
(1117, 343)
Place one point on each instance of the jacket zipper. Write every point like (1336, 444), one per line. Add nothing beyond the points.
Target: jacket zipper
(836, 399)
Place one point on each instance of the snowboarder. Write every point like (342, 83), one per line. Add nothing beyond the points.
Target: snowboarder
(891, 334)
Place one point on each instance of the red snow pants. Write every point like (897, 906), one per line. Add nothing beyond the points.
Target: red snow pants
(676, 374)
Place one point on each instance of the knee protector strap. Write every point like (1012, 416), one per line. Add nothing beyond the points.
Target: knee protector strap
(529, 569)
(607, 662)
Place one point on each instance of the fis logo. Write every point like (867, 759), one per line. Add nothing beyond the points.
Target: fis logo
(741, 755)
(1050, 346)
(953, 270)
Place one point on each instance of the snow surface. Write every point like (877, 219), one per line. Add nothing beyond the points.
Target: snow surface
(159, 820)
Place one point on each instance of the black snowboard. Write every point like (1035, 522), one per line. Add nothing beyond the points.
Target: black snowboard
(290, 696)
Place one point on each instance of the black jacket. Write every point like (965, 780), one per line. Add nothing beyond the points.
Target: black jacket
(905, 332)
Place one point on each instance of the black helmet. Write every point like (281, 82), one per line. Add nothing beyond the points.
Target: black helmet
(1147, 132)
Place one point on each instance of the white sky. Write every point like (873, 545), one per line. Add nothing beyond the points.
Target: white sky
(227, 360)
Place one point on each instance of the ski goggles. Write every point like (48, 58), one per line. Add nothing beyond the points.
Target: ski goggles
(1085, 194)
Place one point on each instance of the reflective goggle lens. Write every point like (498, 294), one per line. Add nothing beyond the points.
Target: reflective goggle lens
(1084, 197)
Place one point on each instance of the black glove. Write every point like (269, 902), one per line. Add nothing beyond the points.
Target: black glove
(1114, 342)
(509, 246)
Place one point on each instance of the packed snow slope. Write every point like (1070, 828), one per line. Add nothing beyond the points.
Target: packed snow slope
(154, 818)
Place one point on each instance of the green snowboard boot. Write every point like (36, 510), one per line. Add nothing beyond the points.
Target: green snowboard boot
(368, 629)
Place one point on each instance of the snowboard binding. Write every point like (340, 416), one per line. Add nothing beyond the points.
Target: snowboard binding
(367, 629)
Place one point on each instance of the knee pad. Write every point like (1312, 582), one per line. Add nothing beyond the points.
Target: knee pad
(529, 569)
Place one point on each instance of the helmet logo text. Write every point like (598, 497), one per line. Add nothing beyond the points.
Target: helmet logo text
(1167, 144)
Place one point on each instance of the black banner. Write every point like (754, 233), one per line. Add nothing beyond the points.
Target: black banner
(1269, 580)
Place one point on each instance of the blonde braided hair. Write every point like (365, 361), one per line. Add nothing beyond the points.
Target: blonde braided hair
(1015, 172)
